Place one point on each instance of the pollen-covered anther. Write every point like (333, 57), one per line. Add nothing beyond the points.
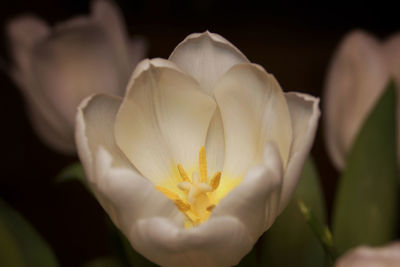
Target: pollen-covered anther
(214, 183)
(183, 174)
(210, 208)
(182, 205)
(203, 164)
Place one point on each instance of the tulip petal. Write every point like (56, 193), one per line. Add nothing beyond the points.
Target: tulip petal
(163, 120)
(356, 78)
(255, 200)
(73, 63)
(387, 256)
(254, 111)
(108, 15)
(222, 241)
(122, 192)
(206, 56)
(215, 145)
(391, 48)
(47, 70)
(94, 128)
(305, 113)
(51, 134)
(25, 33)
(127, 196)
(137, 50)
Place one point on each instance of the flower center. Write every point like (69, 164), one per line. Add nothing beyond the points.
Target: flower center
(196, 203)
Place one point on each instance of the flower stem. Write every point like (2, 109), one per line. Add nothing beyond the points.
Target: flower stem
(321, 231)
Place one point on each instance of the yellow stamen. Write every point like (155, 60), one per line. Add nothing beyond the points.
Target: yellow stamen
(203, 164)
(183, 174)
(200, 193)
(182, 205)
(168, 193)
(192, 219)
(214, 183)
(210, 208)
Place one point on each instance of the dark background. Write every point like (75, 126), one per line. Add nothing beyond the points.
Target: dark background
(294, 40)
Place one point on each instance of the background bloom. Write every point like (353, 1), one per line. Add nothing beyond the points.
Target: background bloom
(206, 95)
(387, 256)
(359, 72)
(56, 67)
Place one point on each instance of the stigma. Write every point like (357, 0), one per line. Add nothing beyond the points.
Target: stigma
(195, 203)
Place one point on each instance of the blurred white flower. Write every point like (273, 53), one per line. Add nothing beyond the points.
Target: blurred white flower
(359, 72)
(56, 67)
(387, 256)
(200, 156)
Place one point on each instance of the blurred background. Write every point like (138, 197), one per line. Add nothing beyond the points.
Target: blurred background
(294, 40)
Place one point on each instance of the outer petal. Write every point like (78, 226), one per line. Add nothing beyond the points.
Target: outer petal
(128, 197)
(355, 79)
(254, 111)
(163, 120)
(46, 66)
(255, 201)
(94, 128)
(74, 62)
(219, 242)
(388, 256)
(137, 48)
(206, 56)
(391, 49)
(52, 134)
(123, 193)
(305, 113)
(108, 15)
(25, 33)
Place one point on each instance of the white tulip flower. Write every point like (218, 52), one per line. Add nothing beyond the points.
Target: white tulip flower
(361, 68)
(387, 256)
(201, 155)
(56, 67)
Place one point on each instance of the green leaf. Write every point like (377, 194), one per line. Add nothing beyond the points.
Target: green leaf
(103, 262)
(72, 172)
(9, 252)
(20, 244)
(366, 201)
(290, 241)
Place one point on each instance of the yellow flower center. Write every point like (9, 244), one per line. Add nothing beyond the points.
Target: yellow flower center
(196, 202)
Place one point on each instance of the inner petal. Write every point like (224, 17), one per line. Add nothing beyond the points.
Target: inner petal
(215, 144)
(163, 121)
(254, 111)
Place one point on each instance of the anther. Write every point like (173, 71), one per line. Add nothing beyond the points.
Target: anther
(203, 164)
(183, 174)
(214, 183)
